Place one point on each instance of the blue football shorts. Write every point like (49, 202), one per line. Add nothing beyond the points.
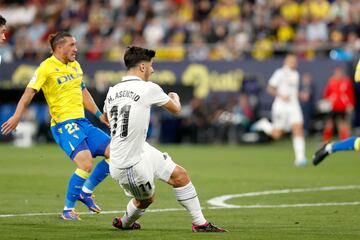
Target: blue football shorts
(79, 134)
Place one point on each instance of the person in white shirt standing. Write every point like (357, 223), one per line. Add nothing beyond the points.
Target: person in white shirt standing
(135, 164)
(286, 111)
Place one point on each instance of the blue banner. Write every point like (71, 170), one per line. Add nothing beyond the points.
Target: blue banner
(205, 77)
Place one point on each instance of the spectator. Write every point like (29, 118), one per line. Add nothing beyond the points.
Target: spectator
(316, 31)
(243, 114)
(198, 50)
(339, 92)
(195, 124)
(340, 52)
(290, 10)
(340, 9)
(202, 10)
(154, 32)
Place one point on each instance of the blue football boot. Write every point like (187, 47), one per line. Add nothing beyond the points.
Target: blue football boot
(70, 215)
(88, 200)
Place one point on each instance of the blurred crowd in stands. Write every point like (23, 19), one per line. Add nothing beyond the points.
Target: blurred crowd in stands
(216, 120)
(186, 29)
(195, 30)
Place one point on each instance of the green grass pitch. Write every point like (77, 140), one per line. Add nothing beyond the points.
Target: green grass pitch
(34, 180)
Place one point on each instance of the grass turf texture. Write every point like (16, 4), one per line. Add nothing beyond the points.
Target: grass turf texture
(34, 180)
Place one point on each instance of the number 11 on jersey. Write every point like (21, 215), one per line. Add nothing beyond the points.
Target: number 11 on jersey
(122, 119)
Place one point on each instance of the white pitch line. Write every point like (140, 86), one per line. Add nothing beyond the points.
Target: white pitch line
(86, 213)
(295, 205)
(219, 202)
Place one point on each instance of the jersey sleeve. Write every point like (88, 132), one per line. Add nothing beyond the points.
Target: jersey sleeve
(357, 72)
(38, 79)
(275, 79)
(156, 95)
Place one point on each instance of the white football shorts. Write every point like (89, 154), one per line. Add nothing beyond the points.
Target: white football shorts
(138, 181)
(284, 116)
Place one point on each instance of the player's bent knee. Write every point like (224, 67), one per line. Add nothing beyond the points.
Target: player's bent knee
(276, 136)
(84, 160)
(87, 167)
(298, 130)
(179, 177)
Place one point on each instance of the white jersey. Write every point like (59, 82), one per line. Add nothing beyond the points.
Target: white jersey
(127, 106)
(286, 113)
(286, 82)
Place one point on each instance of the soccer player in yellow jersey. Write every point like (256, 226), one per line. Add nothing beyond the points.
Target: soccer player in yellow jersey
(60, 79)
(349, 144)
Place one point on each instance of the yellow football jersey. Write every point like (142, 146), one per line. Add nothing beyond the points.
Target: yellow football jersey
(62, 87)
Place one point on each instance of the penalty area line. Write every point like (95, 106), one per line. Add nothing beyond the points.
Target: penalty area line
(220, 201)
(295, 205)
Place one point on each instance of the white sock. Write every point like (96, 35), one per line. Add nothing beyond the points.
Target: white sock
(66, 208)
(131, 215)
(86, 190)
(266, 126)
(328, 148)
(299, 147)
(187, 197)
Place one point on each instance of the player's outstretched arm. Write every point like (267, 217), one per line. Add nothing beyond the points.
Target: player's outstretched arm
(13, 121)
(91, 106)
(173, 105)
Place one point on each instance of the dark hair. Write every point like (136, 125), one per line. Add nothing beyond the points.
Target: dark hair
(56, 38)
(134, 55)
(2, 21)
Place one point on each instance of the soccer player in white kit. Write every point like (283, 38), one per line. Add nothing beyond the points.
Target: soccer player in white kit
(135, 164)
(286, 111)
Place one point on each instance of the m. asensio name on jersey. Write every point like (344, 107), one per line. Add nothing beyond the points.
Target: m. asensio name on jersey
(121, 94)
